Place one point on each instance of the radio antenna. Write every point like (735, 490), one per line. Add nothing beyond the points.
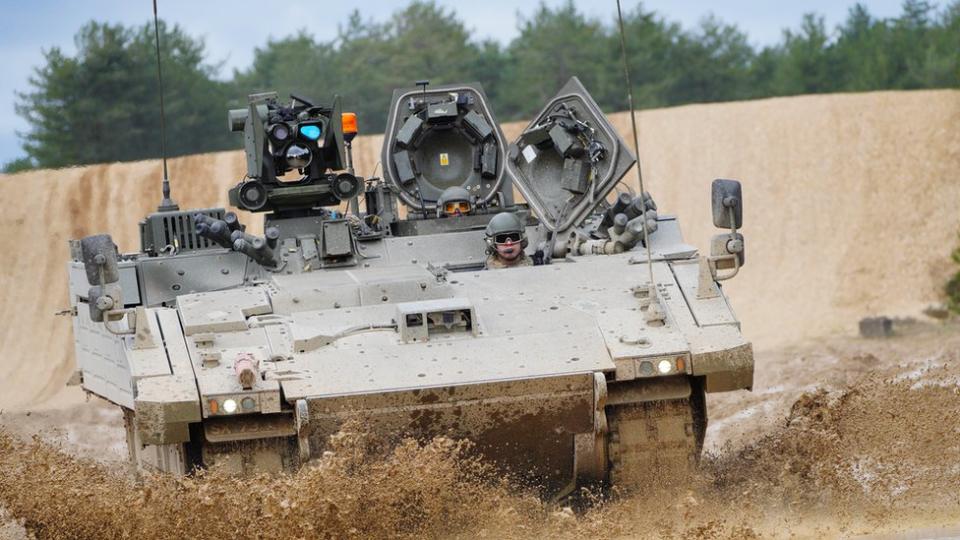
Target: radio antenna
(636, 143)
(166, 204)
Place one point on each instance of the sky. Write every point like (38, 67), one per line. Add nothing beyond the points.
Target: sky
(232, 29)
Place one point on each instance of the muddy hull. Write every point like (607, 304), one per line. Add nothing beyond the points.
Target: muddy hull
(528, 427)
(552, 434)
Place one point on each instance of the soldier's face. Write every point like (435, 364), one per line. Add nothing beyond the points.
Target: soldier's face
(509, 249)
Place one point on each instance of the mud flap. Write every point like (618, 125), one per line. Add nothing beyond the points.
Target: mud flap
(655, 434)
(249, 444)
(302, 422)
(168, 458)
(590, 449)
(527, 426)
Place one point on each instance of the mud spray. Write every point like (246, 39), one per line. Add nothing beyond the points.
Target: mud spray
(881, 453)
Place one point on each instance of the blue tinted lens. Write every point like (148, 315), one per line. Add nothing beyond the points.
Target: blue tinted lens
(310, 132)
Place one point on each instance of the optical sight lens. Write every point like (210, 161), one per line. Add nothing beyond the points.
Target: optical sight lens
(298, 157)
(280, 132)
(311, 132)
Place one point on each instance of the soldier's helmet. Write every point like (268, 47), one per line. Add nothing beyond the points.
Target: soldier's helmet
(504, 230)
(454, 201)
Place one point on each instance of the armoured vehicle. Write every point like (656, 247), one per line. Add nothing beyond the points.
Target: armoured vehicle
(248, 352)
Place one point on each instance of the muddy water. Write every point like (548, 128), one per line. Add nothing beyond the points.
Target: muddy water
(840, 438)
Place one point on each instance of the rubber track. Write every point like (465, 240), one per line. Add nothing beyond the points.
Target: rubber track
(652, 443)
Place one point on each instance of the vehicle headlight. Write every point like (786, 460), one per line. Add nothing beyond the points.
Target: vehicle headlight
(229, 406)
(663, 366)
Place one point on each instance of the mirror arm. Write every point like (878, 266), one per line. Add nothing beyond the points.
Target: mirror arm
(708, 276)
(713, 266)
(119, 315)
(116, 314)
(735, 256)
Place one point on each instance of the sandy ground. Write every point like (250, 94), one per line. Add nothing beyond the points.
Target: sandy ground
(784, 374)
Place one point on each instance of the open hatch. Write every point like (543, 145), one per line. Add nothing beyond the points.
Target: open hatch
(568, 158)
(439, 137)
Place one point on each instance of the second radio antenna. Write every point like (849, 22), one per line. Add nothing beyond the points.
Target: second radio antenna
(166, 204)
(636, 141)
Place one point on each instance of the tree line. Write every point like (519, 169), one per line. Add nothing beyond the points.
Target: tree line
(100, 104)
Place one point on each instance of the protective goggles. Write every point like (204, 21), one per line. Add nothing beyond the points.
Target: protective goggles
(453, 207)
(503, 238)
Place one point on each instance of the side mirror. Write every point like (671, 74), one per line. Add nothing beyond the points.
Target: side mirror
(99, 255)
(105, 296)
(726, 250)
(727, 201)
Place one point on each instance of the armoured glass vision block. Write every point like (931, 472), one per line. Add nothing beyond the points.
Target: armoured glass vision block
(401, 161)
(575, 176)
(488, 160)
(564, 141)
(442, 112)
(477, 125)
(538, 136)
(410, 131)
(418, 320)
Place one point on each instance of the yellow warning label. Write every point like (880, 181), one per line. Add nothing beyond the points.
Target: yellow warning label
(444, 159)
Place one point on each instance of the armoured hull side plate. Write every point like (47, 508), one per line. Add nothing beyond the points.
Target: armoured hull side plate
(101, 357)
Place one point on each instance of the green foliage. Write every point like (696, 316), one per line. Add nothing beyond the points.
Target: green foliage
(367, 60)
(553, 45)
(806, 61)
(652, 50)
(16, 165)
(422, 41)
(953, 285)
(714, 63)
(101, 105)
(295, 65)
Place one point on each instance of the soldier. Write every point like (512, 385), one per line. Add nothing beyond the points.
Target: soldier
(454, 201)
(506, 241)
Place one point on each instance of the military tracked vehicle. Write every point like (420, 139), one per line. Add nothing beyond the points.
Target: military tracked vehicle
(590, 364)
